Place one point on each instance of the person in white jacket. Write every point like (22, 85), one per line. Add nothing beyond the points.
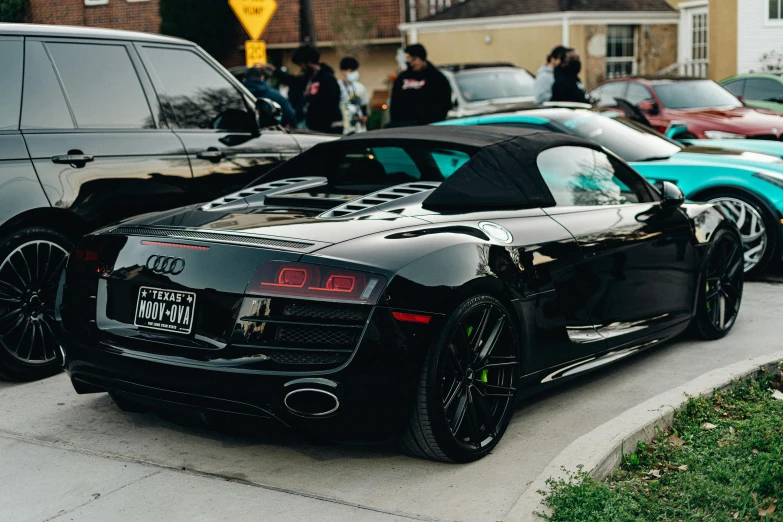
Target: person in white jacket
(354, 100)
(545, 77)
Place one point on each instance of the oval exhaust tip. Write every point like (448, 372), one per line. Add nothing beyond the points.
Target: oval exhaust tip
(311, 402)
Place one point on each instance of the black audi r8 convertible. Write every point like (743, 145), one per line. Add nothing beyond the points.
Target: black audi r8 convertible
(406, 283)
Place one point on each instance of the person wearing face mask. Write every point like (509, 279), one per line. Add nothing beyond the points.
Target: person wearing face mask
(567, 86)
(353, 97)
(321, 91)
(421, 94)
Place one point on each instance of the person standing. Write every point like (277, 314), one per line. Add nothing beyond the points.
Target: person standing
(421, 94)
(257, 82)
(321, 92)
(354, 100)
(567, 86)
(545, 77)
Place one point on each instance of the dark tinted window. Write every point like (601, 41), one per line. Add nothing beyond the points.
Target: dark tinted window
(695, 94)
(199, 96)
(43, 106)
(101, 85)
(735, 88)
(629, 143)
(637, 93)
(763, 89)
(494, 84)
(579, 176)
(606, 94)
(10, 83)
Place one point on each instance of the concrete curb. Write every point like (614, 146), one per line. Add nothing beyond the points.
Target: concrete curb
(601, 450)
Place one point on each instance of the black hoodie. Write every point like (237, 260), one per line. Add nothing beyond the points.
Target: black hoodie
(321, 97)
(567, 87)
(420, 97)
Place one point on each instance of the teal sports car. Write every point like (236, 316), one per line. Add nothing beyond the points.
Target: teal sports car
(747, 185)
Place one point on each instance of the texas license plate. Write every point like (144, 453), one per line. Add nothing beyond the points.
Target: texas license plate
(168, 310)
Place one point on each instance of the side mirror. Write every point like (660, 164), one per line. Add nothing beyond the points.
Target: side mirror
(270, 114)
(671, 196)
(650, 107)
(235, 120)
(675, 129)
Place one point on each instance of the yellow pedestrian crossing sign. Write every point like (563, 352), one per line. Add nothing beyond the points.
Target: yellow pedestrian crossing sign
(255, 52)
(254, 15)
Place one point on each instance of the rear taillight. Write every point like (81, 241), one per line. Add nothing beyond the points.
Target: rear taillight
(88, 261)
(316, 282)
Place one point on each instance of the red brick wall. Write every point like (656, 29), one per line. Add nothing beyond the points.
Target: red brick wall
(117, 14)
(284, 27)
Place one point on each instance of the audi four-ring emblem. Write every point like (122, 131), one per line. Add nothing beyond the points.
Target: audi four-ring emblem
(166, 265)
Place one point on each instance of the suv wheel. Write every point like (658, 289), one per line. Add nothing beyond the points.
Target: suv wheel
(31, 261)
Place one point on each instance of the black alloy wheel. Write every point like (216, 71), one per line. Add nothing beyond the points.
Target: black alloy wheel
(468, 385)
(31, 262)
(720, 292)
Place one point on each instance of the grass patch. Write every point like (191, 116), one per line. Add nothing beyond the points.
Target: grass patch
(721, 460)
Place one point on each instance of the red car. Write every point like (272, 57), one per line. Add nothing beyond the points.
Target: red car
(709, 110)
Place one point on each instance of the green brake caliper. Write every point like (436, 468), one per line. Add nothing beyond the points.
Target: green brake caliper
(707, 292)
(485, 372)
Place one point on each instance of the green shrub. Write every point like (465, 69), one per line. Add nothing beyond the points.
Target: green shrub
(209, 23)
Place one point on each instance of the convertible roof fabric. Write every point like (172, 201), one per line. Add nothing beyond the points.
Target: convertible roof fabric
(502, 174)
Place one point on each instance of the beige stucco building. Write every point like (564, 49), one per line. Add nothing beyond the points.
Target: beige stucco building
(615, 38)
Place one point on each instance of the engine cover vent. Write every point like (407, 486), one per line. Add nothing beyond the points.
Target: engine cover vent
(256, 195)
(388, 195)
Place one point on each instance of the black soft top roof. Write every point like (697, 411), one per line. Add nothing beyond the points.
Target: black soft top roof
(502, 174)
(502, 171)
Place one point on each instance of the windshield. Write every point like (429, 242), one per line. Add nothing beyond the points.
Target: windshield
(492, 84)
(630, 142)
(696, 94)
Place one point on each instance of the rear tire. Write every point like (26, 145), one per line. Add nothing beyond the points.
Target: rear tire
(31, 261)
(467, 387)
(720, 291)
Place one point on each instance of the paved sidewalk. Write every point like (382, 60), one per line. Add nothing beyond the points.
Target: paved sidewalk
(94, 435)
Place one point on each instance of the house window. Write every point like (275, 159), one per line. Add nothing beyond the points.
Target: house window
(96, 2)
(620, 51)
(775, 9)
(699, 37)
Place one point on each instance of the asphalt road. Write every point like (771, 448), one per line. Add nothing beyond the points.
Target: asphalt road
(70, 457)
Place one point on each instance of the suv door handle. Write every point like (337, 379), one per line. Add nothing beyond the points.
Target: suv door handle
(74, 158)
(212, 154)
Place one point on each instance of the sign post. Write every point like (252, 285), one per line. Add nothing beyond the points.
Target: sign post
(254, 15)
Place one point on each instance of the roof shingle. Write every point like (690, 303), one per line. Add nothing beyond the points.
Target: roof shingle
(486, 8)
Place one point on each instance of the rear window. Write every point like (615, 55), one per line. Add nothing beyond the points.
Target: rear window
(363, 166)
(697, 94)
(493, 84)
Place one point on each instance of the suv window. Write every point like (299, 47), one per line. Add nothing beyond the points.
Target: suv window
(101, 85)
(606, 94)
(10, 83)
(578, 176)
(43, 104)
(763, 89)
(198, 96)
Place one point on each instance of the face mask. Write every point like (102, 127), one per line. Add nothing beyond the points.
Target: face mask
(574, 67)
(352, 76)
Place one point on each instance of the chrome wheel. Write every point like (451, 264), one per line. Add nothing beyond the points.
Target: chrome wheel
(723, 291)
(751, 226)
(478, 376)
(28, 285)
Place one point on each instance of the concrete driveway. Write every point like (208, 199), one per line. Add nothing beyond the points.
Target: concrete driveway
(69, 457)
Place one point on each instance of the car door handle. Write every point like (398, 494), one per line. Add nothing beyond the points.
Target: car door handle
(75, 158)
(211, 154)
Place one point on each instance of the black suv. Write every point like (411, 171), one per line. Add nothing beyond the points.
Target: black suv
(96, 126)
